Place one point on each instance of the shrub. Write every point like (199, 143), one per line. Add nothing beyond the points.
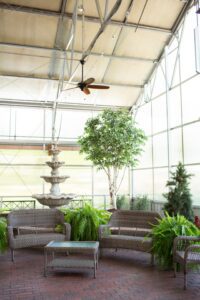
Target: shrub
(85, 222)
(122, 202)
(3, 235)
(179, 198)
(140, 202)
(163, 236)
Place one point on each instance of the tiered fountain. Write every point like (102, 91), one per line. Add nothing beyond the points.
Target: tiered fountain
(55, 197)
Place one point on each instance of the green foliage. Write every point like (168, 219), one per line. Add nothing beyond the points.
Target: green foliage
(3, 235)
(59, 228)
(122, 202)
(179, 197)
(85, 222)
(163, 236)
(141, 202)
(112, 139)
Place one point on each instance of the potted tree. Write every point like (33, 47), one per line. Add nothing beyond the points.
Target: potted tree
(112, 142)
(179, 198)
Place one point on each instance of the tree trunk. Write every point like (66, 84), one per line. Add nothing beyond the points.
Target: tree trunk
(112, 179)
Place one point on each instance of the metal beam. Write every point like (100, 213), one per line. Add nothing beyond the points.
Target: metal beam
(187, 5)
(25, 143)
(174, 30)
(121, 57)
(105, 23)
(125, 20)
(56, 79)
(60, 41)
(45, 12)
(61, 105)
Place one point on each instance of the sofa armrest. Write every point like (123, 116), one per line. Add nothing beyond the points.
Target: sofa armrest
(67, 231)
(104, 230)
(182, 242)
(10, 235)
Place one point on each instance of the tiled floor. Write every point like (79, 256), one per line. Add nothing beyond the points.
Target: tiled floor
(122, 275)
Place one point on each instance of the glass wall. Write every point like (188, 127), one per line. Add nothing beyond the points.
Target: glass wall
(169, 113)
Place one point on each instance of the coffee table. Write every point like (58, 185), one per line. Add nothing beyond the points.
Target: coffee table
(89, 248)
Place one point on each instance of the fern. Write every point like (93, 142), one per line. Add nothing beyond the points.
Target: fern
(164, 233)
(85, 222)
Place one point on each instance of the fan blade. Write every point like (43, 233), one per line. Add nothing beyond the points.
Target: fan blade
(86, 91)
(70, 89)
(88, 81)
(98, 87)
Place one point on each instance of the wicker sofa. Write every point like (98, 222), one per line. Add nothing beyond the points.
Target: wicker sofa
(129, 230)
(35, 227)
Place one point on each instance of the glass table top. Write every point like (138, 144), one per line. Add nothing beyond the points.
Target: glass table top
(72, 244)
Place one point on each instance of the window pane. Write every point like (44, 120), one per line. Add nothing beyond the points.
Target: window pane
(175, 146)
(29, 122)
(159, 83)
(194, 183)
(191, 143)
(70, 125)
(145, 160)
(174, 107)
(143, 118)
(4, 121)
(160, 150)
(25, 180)
(191, 103)
(187, 52)
(159, 114)
(160, 180)
(79, 181)
(142, 182)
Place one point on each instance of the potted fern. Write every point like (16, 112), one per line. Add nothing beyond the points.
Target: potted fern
(85, 222)
(163, 236)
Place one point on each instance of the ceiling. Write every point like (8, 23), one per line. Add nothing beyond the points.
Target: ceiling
(41, 43)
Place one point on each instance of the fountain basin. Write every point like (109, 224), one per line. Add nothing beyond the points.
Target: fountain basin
(55, 164)
(54, 179)
(54, 200)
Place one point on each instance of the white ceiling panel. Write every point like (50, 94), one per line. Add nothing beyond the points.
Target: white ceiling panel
(25, 66)
(160, 13)
(110, 35)
(28, 89)
(135, 50)
(28, 29)
(142, 43)
(42, 4)
(127, 72)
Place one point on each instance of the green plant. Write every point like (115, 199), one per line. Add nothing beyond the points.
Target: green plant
(85, 222)
(122, 202)
(3, 235)
(179, 199)
(140, 202)
(163, 235)
(112, 142)
(59, 228)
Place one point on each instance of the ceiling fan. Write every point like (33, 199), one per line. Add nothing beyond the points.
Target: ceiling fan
(85, 85)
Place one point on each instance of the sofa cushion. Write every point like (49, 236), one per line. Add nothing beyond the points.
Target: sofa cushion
(39, 239)
(128, 242)
(131, 231)
(34, 229)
